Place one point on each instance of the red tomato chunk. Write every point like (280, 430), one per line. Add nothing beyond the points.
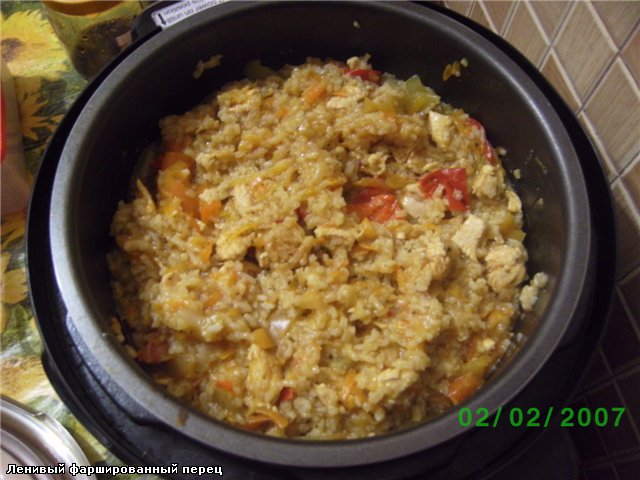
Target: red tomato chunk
(375, 203)
(454, 183)
(366, 74)
(488, 149)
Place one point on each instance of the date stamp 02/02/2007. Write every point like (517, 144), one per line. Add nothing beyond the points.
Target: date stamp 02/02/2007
(534, 417)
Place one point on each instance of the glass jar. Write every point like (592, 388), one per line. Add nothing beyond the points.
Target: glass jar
(92, 31)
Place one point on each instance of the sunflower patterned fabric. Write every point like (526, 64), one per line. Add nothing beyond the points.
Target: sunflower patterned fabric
(46, 86)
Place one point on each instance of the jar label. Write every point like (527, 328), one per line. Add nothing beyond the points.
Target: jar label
(172, 14)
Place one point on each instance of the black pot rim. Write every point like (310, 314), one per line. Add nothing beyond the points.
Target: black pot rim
(105, 356)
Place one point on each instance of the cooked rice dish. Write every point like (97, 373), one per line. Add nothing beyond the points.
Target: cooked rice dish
(326, 252)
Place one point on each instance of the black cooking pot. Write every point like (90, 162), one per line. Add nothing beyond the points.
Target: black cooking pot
(88, 168)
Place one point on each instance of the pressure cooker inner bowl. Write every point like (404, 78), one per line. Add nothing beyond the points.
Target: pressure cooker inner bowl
(156, 80)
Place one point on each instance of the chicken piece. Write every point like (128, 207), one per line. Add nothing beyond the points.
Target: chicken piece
(468, 236)
(438, 259)
(242, 201)
(440, 128)
(280, 243)
(506, 265)
(487, 183)
(414, 205)
(514, 204)
(234, 243)
(338, 103)
(416, 276)
(264, 378)
(529, 294)
(355, 63)
(375, 163)
(345, 235)
(304, 363)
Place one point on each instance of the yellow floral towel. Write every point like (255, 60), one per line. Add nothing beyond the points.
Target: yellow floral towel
(46, 86)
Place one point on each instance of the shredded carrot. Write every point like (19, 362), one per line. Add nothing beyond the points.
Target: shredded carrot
(264, 416)
(277, 418)
(173, 145)
(131, 312)
(227, 353)
(471, 347)
(121, 240)
(343, 92)
(314, 92)
(212, 297)
(302, 211)
(175, 305)
(262, 338)
(256, 421)
(209, 211)
(225, 385)
(378, 183)
(189, 204)
(206, 251)
(204, 247)
(287, 394)
(462, 387)
(154, 351)
(348, 385)
(171, 157)
(351, 392)
(282, 112)
(175, 182)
